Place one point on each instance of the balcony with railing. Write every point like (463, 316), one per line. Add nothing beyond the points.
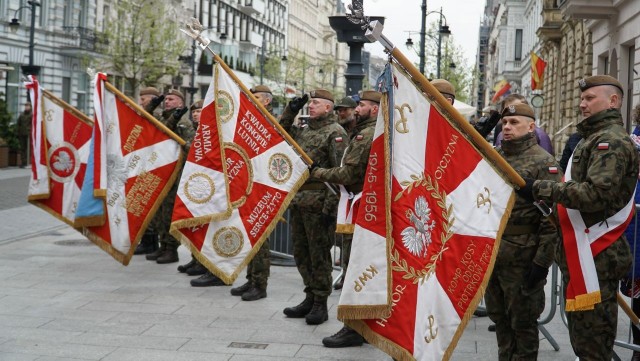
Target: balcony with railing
(551, 21)
(251, 6)
(587, 9)
(81, 38)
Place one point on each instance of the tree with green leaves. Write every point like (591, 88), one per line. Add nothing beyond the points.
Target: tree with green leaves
(461, 76)
(144, 43)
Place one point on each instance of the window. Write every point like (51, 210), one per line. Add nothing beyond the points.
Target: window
(66, 89)
(518, 49)
(68, 13)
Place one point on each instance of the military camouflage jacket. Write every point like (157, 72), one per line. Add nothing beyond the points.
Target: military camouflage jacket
(324, 141)
(531, 161)
(354, 163)
(182, 127)
(24, 124)
(604, 172)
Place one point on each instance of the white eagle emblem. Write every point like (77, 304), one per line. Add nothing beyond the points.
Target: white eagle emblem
(417, 238)
(62, 162)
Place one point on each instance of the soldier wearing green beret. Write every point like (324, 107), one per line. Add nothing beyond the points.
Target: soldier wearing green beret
(313, 208)
(173, 117)
(598, 188)
(515, 292)
(350, 175)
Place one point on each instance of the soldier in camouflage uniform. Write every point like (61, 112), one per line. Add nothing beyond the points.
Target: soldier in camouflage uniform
(173, 117)
(313, 207)
(515, 292)
(149, 100)
(24, 133)
(259, 268)
(604, 172)
(351, 175)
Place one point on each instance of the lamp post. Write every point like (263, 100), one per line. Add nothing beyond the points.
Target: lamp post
(15, 24)
(443, 35)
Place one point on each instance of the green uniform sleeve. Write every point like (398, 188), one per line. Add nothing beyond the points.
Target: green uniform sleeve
(353, 167)
(549, 236)
(604, 175)
(338, 141)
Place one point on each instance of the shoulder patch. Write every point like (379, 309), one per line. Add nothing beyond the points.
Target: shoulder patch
(359, 137)
(603, 146)
(338, 139)
(553, 170)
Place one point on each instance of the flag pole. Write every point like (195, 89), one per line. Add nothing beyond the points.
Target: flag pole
(625, 307)
(194, 30)
(374, 33)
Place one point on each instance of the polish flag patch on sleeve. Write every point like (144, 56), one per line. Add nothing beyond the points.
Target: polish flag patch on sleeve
(359, 137)
(553, 170)
(603, 146)
(338, 139)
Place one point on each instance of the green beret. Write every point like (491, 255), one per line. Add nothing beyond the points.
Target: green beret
(150, 91)
(444, 87)
(196, 105)
(372, 96)
(345, 102)
(177, 93)
(521, 109)
(596, 80)
(321, 93)
(260, 89)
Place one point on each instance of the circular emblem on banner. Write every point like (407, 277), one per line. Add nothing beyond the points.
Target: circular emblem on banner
(239, 174)
(280, 168)
(224, 105)
(199, 188)
(228, 241)
(63, 161)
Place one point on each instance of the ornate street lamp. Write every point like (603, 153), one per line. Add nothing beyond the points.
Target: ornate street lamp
(443, 36)
(15, 24)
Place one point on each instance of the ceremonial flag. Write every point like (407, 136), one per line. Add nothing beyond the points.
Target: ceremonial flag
(203, 192)
(264, 172)
(424, 245)
(135, 161)
(502, 89)
(60, 137)
(537, 71)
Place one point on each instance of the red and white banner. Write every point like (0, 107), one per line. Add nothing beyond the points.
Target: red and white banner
(136, 160)
(423, 252)
(60, 136)
(263, 172)
(203, 193)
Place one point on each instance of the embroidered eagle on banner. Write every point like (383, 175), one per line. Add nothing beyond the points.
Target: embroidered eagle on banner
(416, 239)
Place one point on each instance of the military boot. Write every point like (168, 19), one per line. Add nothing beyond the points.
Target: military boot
(184, 267)
(207, 280)
(300, 310)
(197, 270)
(148, 244)
(154, 256)
(346, 337)
(254, 293)
(170, 255)
(318, 313)
(240, 290)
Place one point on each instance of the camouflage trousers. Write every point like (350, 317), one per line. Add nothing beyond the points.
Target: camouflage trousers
(312, 251)
(593, 332)
(514, 308)
(258, 269)
(24, 147)
(162, 220)
(347, 238)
